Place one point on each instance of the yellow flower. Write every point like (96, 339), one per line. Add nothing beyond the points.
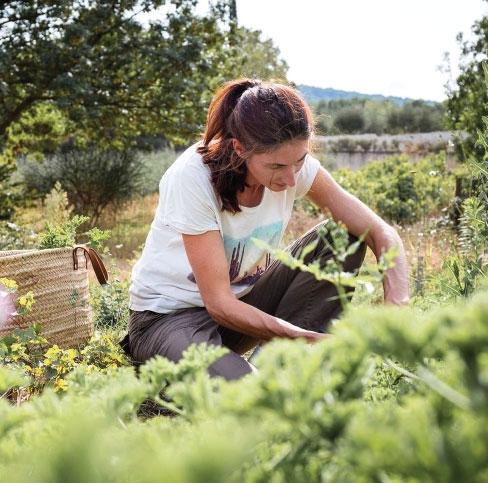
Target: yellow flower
(71, 353)
(6, 282)
(61, 384)
(54, 350)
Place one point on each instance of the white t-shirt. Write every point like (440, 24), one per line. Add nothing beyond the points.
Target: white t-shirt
(162, 279)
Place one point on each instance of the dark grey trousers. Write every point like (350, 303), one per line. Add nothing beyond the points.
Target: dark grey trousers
(292, 295)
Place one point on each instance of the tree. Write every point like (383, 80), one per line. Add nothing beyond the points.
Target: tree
(103, 74)
(362, 115)
(261, 58)
(468, 103)
(349, 120)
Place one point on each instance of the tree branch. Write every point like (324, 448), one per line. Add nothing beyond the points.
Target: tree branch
(17, 112)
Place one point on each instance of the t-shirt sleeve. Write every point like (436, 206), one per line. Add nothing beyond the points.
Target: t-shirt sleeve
(187, 201)
(306, 176)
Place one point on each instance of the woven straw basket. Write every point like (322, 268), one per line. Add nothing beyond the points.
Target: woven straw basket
(58, 278)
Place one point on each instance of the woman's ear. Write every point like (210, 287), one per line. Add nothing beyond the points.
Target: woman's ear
(238, 148)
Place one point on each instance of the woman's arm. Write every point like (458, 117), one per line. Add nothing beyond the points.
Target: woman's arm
(207, 258)
(358, 218)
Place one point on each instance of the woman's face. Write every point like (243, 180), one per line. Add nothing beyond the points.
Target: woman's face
(277, 170)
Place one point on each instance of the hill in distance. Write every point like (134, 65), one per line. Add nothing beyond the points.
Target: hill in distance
(314, 94)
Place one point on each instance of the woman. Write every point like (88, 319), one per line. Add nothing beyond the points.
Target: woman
(201, 278)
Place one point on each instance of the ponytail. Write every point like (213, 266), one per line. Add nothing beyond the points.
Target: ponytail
(259, 115)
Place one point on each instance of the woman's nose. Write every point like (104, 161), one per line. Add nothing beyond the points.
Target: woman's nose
(290, 177)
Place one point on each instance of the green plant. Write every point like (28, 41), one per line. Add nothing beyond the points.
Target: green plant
(61, 236)
(349, 120)
(43, 365)
(308, 207)
(64, 235)
(111, 302)
(57, 209)
(96, 237)
(394, 392)
(470, 267)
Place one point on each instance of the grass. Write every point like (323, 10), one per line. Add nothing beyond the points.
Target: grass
(130, 226)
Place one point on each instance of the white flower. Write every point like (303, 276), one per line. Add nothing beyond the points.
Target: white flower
(369, 287)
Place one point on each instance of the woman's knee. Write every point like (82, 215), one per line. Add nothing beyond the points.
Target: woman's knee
(323, 252)
(230, 366)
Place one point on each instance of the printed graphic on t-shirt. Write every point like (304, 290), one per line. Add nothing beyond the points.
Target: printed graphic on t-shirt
(247, 262)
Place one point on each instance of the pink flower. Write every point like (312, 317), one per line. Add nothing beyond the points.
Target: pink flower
(7, 306)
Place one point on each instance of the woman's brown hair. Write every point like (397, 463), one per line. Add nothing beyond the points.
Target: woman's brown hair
(261, 116)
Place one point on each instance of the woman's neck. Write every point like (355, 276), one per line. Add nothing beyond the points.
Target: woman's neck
(251, 196)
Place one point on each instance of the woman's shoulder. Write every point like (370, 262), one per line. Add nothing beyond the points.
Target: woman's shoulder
(191, 162)
(188, 173)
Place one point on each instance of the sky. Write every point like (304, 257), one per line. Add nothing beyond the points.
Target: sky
(389, 47)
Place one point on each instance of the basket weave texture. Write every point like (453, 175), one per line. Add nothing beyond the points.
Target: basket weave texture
(61, 293)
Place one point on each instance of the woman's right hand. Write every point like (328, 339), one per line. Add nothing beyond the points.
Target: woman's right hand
(316, 337)
(294, 332)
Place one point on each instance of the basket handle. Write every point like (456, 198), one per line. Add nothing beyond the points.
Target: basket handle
(96, 261)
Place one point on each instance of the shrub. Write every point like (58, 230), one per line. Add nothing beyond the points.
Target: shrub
(93, 179)
(155, 165)
(342, 144)
(400, 190)
(367, 144)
